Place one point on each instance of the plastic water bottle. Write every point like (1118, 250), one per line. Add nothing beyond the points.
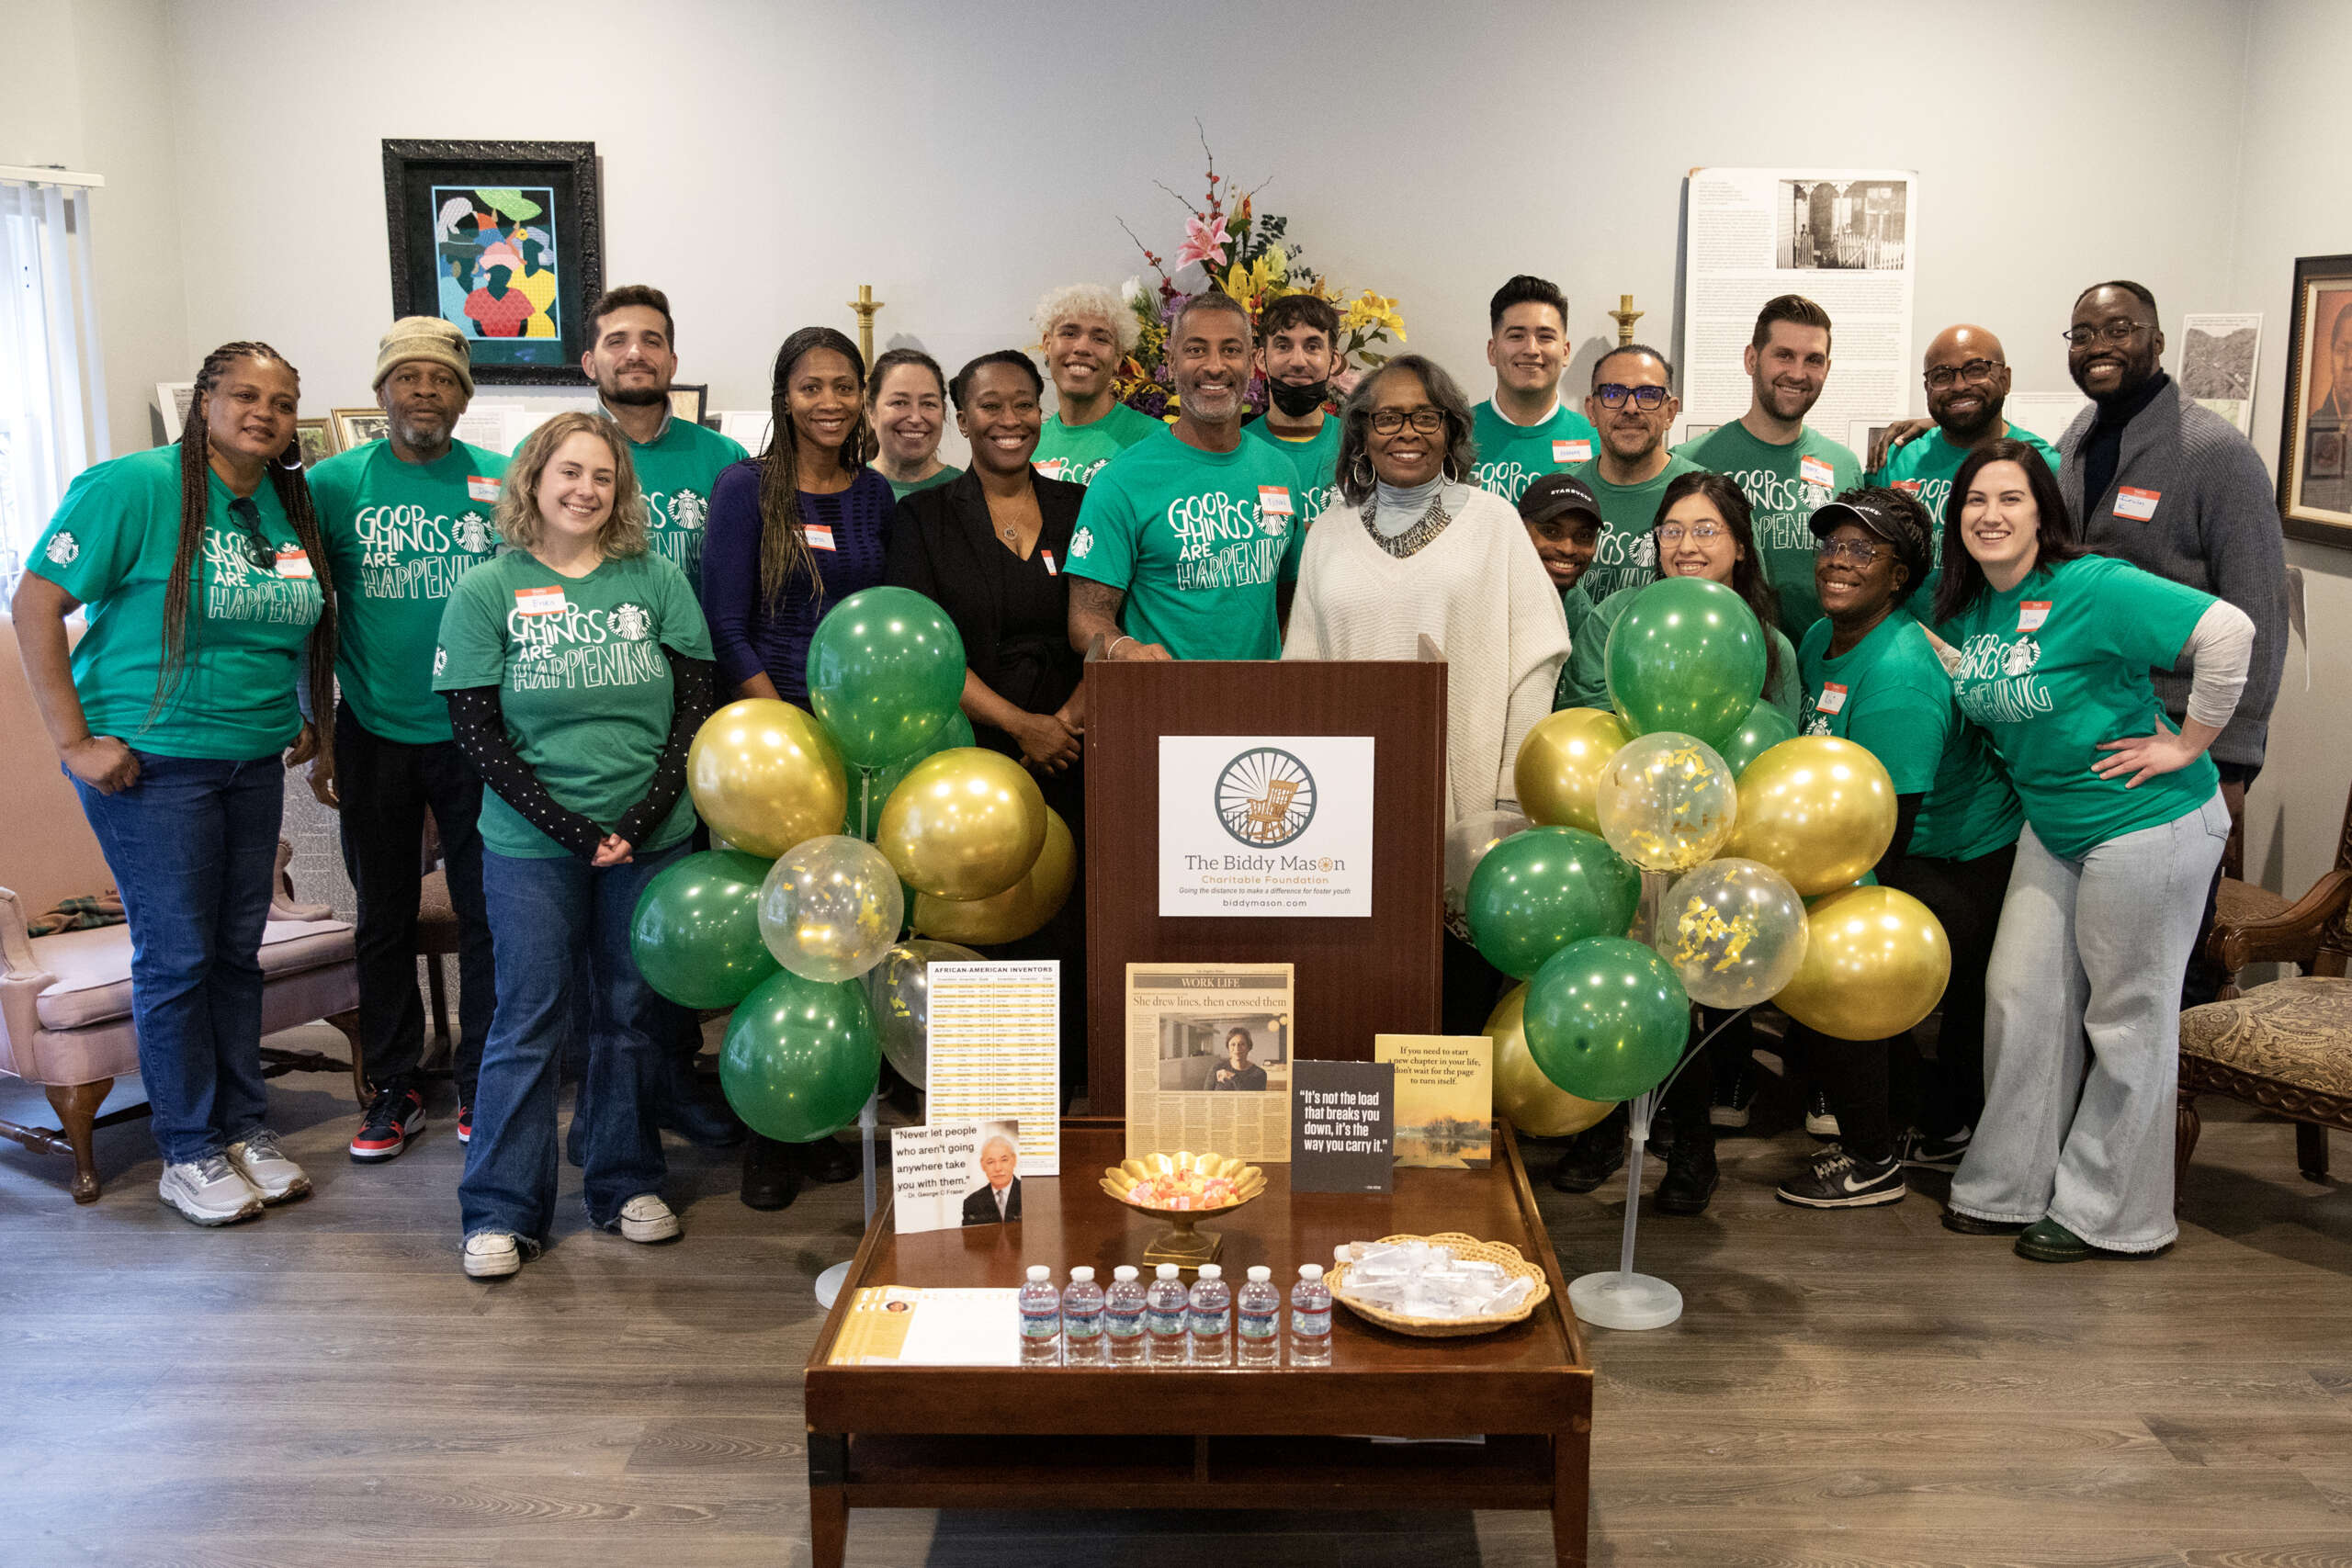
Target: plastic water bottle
(1258, 1313)
(1166, 1307)
(1212, 1316)
(1310, 1319)
(1081, 1318)
(1041, 1319)
(1123, 1308)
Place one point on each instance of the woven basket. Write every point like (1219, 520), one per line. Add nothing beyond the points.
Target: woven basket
(1463, 1246)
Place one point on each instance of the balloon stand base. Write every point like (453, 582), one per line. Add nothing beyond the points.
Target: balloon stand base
(829, 1283)
(1612, 1299)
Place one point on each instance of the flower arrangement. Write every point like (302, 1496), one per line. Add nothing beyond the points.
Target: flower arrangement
(1249, 254)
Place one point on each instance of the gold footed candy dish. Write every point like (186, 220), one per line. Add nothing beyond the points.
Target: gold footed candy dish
(1183, 1188)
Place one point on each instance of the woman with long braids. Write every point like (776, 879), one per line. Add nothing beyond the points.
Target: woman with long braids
(793, 531)
(202, 568)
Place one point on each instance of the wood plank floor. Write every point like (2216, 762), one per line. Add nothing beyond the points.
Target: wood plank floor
(323, 1387)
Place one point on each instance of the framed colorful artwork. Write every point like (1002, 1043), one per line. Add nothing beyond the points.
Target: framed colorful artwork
(2315, 465)
(502, 239)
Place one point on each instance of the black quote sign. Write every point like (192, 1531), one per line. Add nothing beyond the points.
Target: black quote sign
(1342, 1126)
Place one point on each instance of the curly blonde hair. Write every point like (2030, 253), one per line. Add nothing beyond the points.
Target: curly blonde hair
(1074, 300)
(624, 533)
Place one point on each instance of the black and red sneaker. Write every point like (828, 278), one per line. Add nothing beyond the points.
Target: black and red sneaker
(465, 1124)
(394, 1117)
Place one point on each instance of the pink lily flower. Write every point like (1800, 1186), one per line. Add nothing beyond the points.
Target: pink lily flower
(1203, 242)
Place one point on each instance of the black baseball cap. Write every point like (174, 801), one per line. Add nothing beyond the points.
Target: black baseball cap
(1556, 495)
(1891, 515)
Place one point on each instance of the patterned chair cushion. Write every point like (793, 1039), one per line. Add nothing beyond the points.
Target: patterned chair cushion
(2242, 903)
(2294, 1032)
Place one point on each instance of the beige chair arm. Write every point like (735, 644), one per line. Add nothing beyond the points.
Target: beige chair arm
(282, 903)
(22, 980)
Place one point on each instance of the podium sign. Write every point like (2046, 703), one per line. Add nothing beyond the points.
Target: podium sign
(1173, 769)
(1273, 825)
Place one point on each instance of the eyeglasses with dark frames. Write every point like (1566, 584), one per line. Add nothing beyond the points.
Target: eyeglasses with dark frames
(2113, 331)
(1976, 370)
(1427, 420)
(1614, 395)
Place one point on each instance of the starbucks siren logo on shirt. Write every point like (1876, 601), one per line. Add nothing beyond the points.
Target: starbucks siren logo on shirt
(688, 510)
(1080, 543)
(632, 623)
(62, 549)
(472, 534)
(440, 662)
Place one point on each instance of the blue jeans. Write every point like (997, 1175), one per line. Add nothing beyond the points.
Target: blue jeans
(559, 925)
(2090, 951)
(193, 846)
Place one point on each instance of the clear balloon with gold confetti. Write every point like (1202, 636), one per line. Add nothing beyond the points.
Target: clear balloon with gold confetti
(1733, 931)
(1667, 801)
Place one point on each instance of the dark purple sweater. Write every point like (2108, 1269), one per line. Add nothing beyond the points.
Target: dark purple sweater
(749, 637)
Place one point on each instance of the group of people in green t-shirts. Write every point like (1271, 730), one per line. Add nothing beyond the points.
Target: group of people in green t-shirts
(545, 625)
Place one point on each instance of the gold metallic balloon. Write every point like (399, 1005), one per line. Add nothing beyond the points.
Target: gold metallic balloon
(1818, 809)
(1527, 1100)
(1559, 771)
(1018, 911)
(965, 824)
(1875, 964)
(765, 777)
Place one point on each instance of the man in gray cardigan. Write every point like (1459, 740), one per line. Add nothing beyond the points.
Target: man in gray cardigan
(2174, 488)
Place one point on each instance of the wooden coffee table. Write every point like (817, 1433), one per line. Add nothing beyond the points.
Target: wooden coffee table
(1212, 1436)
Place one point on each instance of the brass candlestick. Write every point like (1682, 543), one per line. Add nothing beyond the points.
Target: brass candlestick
(866, 305)
(1624, 315)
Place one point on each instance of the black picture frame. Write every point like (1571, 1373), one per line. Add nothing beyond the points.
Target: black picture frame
(520, 194)
(2315, 426)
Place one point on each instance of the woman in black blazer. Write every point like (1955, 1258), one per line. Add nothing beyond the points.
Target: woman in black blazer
(989, 549)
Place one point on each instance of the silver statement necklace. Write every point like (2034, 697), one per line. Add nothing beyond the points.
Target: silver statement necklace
(1408, 543)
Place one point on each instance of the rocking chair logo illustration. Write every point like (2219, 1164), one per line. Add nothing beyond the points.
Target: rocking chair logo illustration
(1265, 797)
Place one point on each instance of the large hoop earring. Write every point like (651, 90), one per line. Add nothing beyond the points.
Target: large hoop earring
(1361, 471)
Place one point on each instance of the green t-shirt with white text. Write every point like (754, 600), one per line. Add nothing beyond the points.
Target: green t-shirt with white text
(1889, 693)
(111, 546)
(582, 680)
(1076, 453)
(1512, 456)
(677, 471)
(1923, 468)
(1785, 486)
(1627, 556)
(1316, 461)
(2061, 664)
(1198, 541)
(399, 535)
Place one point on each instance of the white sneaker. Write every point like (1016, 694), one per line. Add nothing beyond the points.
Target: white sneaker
(492, 1254)
(262, 1163)
(646, 1218)
(208, 1191)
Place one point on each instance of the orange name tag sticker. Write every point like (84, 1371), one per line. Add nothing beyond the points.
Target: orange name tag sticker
(293, 563)
(2031, 613)
(538, 600)
(2137, 505)
(1816, 471)
(1047, 556)
(1832, 698)
(1050, 467)
(1572, 451)
(820, 536)
(1908, 487)
(481, 489)
(1274, 499)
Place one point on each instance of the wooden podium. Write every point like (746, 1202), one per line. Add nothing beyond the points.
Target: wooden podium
(1353, 977)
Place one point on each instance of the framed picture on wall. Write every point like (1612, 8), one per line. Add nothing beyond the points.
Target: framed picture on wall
(2314, 466)
(686, 402)
(356, 427)
(502, 239)
(316, 438)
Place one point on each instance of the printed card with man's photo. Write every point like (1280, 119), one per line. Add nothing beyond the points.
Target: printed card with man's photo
(955, 1173)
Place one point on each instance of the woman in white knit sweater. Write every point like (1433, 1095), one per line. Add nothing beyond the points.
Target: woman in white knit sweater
(1425, 553)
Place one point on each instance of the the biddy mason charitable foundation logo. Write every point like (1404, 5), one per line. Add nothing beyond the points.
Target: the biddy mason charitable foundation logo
(1265, 797)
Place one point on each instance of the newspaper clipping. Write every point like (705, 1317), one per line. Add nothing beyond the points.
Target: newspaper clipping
(1846, 239)
(1209, 1053)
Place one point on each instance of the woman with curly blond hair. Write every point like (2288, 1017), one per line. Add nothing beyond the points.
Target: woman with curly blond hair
(577, 667)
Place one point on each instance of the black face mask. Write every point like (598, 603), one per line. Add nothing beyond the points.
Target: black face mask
(1298, 401)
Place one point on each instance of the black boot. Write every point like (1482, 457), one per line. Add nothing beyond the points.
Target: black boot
(771, 1174)
(1593, 1155)
(1691, 1178)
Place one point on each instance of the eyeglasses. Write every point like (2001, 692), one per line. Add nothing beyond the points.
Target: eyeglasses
(1649, 399)
(1697, 532)
(258, 549)
(2114, 332)
(1861, 552)
(1943, 376)
(1428, 421)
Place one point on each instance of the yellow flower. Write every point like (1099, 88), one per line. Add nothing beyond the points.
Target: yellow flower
(1248, 284)
(1370, 310)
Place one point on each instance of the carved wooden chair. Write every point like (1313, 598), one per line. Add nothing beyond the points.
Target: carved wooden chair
(2287, 1046)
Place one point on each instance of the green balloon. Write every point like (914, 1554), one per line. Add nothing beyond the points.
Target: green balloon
(696, 931)
(886, 667)
(1686, 655)
(956, 731)
(1540, 890)
(1764, 728)
(801, 1057)
(1606, 1019)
